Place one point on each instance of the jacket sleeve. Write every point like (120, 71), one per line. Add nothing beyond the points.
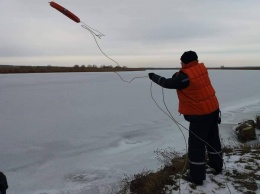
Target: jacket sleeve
(178, 81)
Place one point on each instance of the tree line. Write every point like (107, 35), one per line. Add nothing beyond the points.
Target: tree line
(53, 69)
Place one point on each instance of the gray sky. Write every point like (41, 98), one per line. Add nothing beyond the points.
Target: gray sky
(138, 33)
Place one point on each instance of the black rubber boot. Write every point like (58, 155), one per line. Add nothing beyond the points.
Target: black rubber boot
(191, 180)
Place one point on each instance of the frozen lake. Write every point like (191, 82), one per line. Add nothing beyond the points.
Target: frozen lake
(79, 133)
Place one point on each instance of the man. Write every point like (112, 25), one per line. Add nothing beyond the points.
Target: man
(199, 105)
(3, 183)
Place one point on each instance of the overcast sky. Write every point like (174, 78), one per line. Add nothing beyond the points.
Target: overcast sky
(138, 33)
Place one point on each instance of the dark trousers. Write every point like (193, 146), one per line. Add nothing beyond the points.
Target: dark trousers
(204, 134)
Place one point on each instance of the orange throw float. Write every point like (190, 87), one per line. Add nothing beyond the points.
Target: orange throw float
(65, 11)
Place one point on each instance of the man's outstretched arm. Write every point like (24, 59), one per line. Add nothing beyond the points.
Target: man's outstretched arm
(178, 81)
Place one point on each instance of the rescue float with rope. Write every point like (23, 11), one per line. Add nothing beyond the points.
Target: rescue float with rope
(66, 12)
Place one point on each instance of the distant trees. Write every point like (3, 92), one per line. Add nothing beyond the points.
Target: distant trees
(92, 66)
(104, 66)
(118, 67)
(75, 68)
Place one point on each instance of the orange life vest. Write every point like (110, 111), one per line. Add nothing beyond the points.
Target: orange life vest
(199, 97)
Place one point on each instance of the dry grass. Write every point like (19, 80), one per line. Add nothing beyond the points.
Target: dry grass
(167, 176)
(148, 182)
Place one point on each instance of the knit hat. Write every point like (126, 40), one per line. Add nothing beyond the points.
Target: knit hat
(189, 56)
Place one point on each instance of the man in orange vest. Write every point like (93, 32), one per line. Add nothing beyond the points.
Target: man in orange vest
(199, 105)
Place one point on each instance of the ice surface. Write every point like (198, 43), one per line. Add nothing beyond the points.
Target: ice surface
(81, 132)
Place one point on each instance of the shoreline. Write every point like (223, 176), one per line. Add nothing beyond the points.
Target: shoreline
(10, 69)
(55, 69)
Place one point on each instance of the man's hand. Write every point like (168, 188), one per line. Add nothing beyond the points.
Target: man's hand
(150, 75)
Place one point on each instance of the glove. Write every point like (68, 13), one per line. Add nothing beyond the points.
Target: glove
(151, 75)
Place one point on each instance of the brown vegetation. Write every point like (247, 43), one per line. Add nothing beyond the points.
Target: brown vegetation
(52, 69)
(166, 179)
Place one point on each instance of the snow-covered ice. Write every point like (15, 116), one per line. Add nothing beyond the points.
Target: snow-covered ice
(79, 133)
